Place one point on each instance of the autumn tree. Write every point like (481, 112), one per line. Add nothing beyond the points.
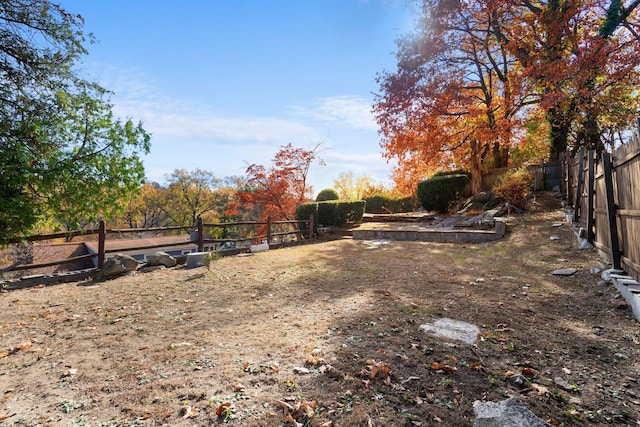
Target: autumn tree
(63, 154)
(356, 187)
(190, 195)
(477, 77)
(583, 58)
(146, 209)
(456, 99)
(279, 188)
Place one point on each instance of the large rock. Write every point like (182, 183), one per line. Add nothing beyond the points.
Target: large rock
(506, 413)
(161, 258)
(117, 265)
(480, 202)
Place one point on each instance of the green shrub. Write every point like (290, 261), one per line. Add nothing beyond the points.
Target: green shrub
(453, 172)
(327, 194)
(333, 212)
(440, 192)
(304, 212)
(380, 203)
(514, 187)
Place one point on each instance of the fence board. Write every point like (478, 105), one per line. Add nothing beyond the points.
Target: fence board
(613, 214)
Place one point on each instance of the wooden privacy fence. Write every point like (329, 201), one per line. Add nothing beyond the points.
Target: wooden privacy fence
(604, 191)
(262, 231)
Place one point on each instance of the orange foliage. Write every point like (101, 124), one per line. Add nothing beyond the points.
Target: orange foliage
(475, 78)
(279, 189)
(455, 101)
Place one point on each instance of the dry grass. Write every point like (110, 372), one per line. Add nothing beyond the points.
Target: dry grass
(327, 334)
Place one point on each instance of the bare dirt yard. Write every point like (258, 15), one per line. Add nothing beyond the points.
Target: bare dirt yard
(328, 334)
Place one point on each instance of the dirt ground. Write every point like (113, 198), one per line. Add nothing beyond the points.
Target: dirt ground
(328, 334)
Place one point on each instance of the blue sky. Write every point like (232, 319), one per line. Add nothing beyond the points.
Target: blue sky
(224, 83)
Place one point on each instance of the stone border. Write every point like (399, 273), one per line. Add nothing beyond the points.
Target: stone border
(41, 279)
(421, 233)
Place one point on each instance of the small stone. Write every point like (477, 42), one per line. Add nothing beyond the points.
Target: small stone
(554, 238)
(518, 380)
(565, 272)
(560, 382)
(621, 356)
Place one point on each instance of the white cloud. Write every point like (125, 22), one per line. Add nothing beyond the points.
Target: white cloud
(352, 111)
(192, 134)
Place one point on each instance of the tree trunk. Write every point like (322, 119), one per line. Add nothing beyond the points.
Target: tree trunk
(558, 133)
(476, 167)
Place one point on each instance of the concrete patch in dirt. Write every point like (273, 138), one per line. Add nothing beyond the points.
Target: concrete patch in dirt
(506, 413)
(452, 329)
(565, 272)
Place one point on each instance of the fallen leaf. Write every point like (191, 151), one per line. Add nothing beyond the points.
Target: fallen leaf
(189, 412)
(540, 389)
(443, 367)
(290, 420)
(239, 388)
(23, 346)
(222, 408)
(284, 405)
(476, 366)
(69, 372)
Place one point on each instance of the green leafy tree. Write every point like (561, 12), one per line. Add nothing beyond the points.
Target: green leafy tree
(190, 195)
(63, 154)
(144, 210)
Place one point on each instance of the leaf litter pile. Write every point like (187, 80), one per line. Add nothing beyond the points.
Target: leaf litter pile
(328, 334)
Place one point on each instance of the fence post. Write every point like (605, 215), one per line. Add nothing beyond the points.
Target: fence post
(311, 227)
(563, 177)
(269, 229)
(590, 197)
(200, 235)
(611, 211)
(102, 231)
(578, 198)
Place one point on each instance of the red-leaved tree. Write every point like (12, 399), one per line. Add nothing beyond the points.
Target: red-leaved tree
(278, 189)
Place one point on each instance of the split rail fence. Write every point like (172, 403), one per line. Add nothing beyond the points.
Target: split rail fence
(604, 192)
(261, 231)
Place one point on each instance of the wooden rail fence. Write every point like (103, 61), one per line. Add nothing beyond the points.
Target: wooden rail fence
(266, 226)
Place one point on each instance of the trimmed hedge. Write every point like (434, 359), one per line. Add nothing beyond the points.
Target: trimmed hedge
(333, 212)
(440, 192)
(380, 203)
(327, 194)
